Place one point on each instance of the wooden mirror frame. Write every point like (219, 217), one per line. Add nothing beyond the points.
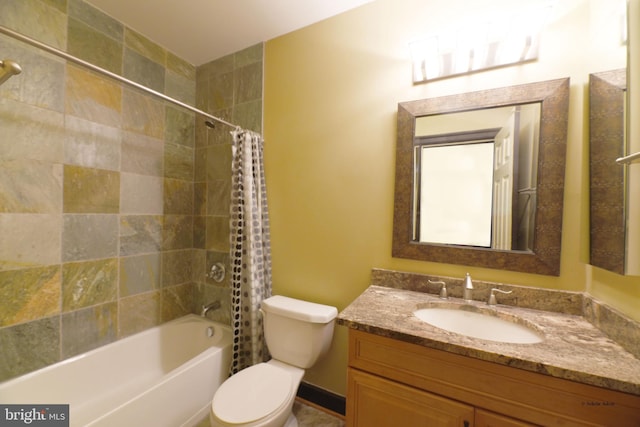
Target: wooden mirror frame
(606, 177)
(545, 257)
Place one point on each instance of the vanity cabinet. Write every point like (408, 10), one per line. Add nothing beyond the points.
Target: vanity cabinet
(395, 383)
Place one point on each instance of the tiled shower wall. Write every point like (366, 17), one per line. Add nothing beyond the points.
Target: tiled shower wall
(112, 202)
(229, 88)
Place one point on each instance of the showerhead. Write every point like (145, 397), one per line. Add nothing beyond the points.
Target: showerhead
(209, 124)
(8, 68)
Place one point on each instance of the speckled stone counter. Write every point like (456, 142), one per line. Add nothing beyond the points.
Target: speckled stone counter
(572, 348)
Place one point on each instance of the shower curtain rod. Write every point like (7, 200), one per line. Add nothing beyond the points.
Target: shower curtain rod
(62, 54)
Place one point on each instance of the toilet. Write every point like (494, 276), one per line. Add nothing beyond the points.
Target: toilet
(297, 334)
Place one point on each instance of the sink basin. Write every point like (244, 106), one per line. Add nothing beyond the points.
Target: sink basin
(476, 324)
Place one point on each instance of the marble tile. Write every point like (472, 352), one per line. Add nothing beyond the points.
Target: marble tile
(29, 240)
(36, 19)
(94, 18)
(180, 127)
(87, 237)
(250, 55)
(141, 194)
(88, 190)
(89, 283)
(219, 162)
(176, 301)
(41, 83)
(138, 313)
(181, 67)
(178, 162)
(220, 94)
(140, 274)
(61, 5)
(199, 232)
(145, 47)
(142, 154)
(178, 197)
(177, 267)
(143, 70)
(140, 234)
(200, 163)
(28, 186)
(89, 328)
(91, 144)
(177, 232)
(94, 47)
(29, 294)
(92, 97)
(29, 346)
(219, 197)
(143, 114)
(249, 115)
(31, 133)
(248, 83)
(199, 198)
(217, 235)
(179, 87)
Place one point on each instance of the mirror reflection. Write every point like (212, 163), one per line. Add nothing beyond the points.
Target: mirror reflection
(477, 173)
(448, 143)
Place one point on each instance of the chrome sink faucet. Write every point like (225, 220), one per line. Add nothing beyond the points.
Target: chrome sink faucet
(443, 288)
(492, 296)
(467, 289)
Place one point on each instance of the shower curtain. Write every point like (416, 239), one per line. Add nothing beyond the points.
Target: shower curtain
(250, 249)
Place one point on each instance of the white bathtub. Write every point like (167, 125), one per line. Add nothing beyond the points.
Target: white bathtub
(165, 376)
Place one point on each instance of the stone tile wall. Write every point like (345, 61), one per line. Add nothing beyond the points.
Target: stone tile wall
(230, 88)
(112, 202)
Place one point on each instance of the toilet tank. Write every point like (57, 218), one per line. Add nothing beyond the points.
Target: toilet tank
(297, 332)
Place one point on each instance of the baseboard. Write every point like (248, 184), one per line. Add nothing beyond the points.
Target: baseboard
(321, 397)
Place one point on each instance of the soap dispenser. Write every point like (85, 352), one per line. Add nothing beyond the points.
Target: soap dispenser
(467, 288)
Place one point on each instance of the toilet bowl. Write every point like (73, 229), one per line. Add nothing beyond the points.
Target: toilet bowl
(268, 392)
(297, 334)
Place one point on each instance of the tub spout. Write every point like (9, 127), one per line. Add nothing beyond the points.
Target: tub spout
(211, 306)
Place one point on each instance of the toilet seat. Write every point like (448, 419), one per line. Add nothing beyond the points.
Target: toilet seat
(252, 394)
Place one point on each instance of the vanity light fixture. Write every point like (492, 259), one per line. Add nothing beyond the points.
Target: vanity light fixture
(498, 42)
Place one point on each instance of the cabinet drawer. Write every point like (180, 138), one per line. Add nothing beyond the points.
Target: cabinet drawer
(528, 396)
(379, 402)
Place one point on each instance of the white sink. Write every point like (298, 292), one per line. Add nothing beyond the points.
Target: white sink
(486, 326)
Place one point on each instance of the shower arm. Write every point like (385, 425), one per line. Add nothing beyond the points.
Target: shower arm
(62, 54)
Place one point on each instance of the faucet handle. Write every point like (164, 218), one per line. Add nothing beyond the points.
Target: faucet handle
(492, 297)
(443, 288)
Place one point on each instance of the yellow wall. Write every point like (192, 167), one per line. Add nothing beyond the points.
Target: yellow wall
(331, 94)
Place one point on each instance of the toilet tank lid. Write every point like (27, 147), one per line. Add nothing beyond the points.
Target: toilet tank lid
(299, 310)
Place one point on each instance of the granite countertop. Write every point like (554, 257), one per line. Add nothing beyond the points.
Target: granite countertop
(572, 348)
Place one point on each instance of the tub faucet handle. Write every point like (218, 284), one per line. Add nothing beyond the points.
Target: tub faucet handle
(217, 272)
(492, 296)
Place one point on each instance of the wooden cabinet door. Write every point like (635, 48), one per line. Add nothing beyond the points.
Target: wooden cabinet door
(376, 402)
(490, 419)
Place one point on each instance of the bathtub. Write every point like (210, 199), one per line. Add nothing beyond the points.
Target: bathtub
(164, 376)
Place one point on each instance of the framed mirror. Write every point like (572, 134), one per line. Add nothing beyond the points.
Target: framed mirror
(607, 142)
(536, 199)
